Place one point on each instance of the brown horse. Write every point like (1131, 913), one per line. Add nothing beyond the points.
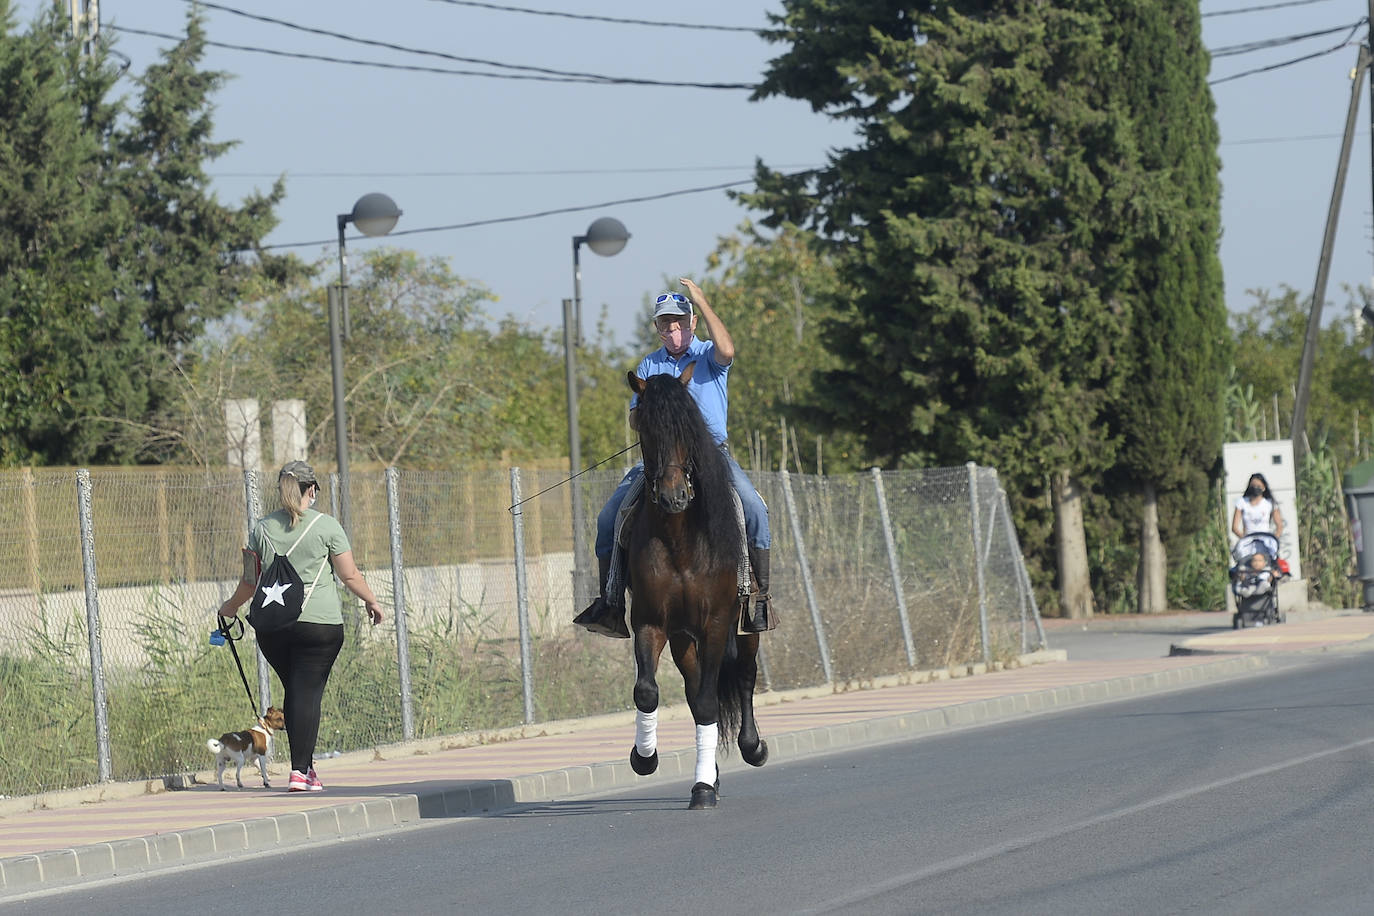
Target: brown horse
(684, 548)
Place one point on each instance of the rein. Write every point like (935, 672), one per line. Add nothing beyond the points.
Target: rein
(225, 628)
(560, 483)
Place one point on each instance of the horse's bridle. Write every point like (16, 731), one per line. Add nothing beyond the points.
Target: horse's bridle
(686, 472)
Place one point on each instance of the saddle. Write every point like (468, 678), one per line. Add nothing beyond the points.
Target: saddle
(615, 580)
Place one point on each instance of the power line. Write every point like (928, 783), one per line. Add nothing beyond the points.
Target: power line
(1254, 140)
(1285, 63)
(1257, 9)
(413, 68)
(591, 18)
(524, 216)
(508, 172)
(454, 57)
(1266, 43)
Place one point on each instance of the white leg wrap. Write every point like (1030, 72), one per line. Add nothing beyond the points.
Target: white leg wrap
(646, 732)
(707, 739)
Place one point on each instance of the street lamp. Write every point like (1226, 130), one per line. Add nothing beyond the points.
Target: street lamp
(606, 236)
(374, 215)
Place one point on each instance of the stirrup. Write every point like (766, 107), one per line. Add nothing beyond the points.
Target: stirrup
(603, 619)
(754, 620)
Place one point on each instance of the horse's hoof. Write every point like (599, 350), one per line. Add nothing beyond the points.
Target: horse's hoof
(758, 756)
(703, 796)
(642, 765)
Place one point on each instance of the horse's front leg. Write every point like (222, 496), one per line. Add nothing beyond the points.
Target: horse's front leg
(649, 642)
(699, 663)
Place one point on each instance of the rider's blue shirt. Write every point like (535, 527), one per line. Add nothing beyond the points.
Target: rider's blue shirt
(709, 386)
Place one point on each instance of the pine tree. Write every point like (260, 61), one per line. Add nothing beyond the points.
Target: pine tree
(113, 250)
(977, 224)
(70, 341)
(192, 254)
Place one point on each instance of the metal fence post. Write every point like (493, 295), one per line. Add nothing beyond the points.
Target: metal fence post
(1022, 576)
(893, 567)
(252, 496)
(398, 592)
(104, 770)
(978, 559)
(522, 600)
(806, 577)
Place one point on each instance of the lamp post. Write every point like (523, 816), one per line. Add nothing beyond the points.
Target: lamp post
(374, 215)
(606, 237)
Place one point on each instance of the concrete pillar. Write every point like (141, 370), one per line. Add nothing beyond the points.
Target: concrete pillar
(242, 433)
(288, 431)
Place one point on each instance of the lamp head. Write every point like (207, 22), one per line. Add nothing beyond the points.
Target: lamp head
(375, 214)
(606, 236)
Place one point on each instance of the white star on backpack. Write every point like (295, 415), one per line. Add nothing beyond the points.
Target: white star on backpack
(273, 593)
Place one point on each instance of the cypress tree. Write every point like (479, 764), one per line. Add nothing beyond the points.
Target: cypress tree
(977, 224)
(1171, 417)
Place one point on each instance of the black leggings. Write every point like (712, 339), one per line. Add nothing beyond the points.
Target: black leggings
(303, 655)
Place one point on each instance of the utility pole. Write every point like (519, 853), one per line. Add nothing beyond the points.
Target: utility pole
(86, 23)
(1314, 318)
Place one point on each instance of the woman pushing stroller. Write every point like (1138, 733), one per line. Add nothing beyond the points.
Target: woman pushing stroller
(1258, 524)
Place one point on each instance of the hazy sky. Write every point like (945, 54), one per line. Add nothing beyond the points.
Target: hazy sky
(457, 149)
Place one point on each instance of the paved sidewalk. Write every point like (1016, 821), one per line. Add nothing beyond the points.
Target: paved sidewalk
(126, 828)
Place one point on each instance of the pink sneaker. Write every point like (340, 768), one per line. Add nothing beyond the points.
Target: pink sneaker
(313, 782)
(299, 782)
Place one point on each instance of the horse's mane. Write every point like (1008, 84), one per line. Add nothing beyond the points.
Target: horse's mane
(668, 415)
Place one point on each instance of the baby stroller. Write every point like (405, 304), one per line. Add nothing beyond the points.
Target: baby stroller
(1255, 580)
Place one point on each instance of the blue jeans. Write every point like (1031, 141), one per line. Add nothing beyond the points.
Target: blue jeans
(755, 512)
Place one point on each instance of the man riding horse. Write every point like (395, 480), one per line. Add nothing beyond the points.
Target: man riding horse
(675, 320)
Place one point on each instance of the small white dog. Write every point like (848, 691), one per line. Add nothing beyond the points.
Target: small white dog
(254, 745)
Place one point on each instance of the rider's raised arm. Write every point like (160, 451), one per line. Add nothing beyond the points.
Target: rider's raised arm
(725, 344)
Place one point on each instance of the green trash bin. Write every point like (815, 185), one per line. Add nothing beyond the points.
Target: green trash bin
(1358, 485)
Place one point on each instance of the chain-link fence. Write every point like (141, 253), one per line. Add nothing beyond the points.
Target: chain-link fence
(109, 579)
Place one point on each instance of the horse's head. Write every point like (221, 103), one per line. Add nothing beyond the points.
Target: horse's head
(667, 455)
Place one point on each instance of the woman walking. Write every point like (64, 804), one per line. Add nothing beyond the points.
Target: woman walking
(303, 652)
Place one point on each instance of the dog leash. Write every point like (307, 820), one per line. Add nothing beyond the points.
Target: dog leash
(225, 628)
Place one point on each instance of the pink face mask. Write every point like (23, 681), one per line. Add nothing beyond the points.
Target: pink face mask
(676, 339)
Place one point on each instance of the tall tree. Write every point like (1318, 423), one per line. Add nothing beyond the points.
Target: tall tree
(113, 250)
(977, 227)
(70, 343)
(193, 254)
(1171, 415)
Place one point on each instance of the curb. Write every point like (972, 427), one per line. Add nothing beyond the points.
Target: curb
(64, 867)
(174, 782)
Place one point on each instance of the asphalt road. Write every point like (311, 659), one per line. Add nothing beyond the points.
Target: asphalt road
(1245, 796)
(1099, 642)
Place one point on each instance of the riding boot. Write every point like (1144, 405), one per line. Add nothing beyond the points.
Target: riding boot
(760, 617)
(603, 617)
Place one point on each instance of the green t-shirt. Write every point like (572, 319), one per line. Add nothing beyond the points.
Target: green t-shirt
(271, 537)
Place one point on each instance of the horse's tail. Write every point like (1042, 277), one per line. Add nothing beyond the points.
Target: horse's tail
(731, 689)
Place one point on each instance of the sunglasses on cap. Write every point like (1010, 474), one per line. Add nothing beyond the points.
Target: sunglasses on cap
(675, 297)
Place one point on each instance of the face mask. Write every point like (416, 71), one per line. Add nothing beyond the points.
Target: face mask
(676, 339)
(1252, 491)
